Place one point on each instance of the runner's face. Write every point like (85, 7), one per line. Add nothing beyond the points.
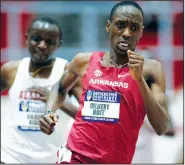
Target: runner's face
(42, 40)
(125, 29)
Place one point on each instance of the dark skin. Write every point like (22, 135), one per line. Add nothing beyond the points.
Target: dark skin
(132, 23)
(42, 40)
(125, 30)
(40, 53)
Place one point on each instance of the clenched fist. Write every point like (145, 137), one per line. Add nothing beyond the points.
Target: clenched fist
(48, 122)
(136, 63)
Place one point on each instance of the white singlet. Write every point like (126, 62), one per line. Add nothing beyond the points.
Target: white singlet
(21, 139)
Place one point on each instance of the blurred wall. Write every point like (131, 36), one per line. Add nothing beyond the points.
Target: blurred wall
(83, 24)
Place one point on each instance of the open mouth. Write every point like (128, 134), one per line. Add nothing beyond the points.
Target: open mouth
(123, 45)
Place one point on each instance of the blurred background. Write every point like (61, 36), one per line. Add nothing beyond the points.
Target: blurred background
(83, 25)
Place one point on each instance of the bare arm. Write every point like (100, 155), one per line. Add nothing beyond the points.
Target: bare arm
(67, 106)
(4, 78)
(62, 87)
(69, 109)
(76, 91)
(8, 73)
(155, 100)
(76, 69)
(48, 121)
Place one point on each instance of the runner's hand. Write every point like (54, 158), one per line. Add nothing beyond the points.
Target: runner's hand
(47, 123)
(136, 63)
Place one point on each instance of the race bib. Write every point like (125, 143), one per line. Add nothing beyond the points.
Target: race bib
(101, 106)
(29, 114)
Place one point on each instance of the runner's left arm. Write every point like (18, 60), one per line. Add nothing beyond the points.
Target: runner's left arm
(155, 101)
(154, 98)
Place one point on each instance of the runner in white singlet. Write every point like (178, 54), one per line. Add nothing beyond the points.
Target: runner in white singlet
(29, 82)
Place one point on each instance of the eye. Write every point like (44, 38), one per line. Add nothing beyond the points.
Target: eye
(121, 24)
(36, 38)
(134, 28)
(51, 42)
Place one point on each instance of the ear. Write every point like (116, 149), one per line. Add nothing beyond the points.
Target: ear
(108, 26)
(60, 43)
(141, 34)
(26, 38)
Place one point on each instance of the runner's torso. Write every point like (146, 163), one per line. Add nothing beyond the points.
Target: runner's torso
(110, 115)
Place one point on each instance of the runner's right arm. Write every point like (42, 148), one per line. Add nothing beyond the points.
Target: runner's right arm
(8, 72)
(62, 87)
(76, 69)
(76, 91)
(67, 106)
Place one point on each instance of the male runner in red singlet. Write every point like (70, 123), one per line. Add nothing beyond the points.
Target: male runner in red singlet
(115, 96)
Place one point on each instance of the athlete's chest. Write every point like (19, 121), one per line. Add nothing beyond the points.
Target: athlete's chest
(106, 92)
(109, 78)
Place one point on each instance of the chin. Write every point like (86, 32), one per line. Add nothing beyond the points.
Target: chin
(121, 52)
(39, 60)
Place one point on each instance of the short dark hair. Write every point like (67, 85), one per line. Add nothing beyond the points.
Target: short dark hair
(125, 3)
(50, 21)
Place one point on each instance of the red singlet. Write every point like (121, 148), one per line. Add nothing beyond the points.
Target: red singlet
(110, 116)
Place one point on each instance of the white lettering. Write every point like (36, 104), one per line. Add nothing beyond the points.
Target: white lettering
(108, 83)
(125, 85)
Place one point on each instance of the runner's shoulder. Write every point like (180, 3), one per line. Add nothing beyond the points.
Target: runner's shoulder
(10, 66)
(153, 66)
(8, 72)
(82, 58)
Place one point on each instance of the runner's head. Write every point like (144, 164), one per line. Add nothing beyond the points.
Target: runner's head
(125, 26)
(44, 36)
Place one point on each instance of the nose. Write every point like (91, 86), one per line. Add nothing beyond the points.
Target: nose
(42, 45)
(126, 33)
